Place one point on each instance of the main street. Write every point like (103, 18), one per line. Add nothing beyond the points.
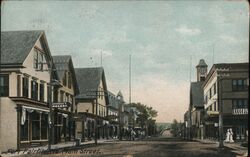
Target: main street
(152, 147)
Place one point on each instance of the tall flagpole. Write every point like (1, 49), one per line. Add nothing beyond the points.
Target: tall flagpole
(129, 79)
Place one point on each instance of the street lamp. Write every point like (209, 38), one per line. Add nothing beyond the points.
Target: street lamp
(221, 74)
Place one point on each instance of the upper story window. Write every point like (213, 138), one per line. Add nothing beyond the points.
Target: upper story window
(215, 107)
(69, 80)
(65, 79)
(61, 96)
(205, 99)
(42, 92)
(210, 93)
(239, 84)
(34, 90)
(240, 103)
(38, 60)
(215, 88)
(25, 87)
(4, 85)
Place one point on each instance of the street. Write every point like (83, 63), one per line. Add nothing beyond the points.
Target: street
(157, 146)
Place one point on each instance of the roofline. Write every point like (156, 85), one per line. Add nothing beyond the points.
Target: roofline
(212, 69)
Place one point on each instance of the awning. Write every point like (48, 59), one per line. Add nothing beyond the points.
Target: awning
(30, 110)
(34, 108)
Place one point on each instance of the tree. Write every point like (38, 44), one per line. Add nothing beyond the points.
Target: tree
(145, 116)
(175, 128)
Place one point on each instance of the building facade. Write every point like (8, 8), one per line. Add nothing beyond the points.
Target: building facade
(25, 89)
(92, 103)
(64, 122)
(227, 85)
(196, 107)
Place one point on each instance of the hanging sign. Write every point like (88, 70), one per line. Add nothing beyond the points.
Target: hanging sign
(61, 105)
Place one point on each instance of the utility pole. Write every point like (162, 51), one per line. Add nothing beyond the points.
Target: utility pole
(96, 118)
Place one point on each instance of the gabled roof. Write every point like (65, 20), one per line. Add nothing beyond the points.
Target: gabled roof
(64, 63)
(196, 94)
(88, 80)
(16, 45)
(113, 101)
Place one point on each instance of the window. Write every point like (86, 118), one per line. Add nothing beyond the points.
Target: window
(35, 63)
(215, 107)
(214, 88)
(34, 90)
(48, 91)
(239, 84)
(4, 85)
(44, 126)
(35, 118)
(65, 78)
(25, 87)
(210, 93)
(38, 60)
(41, 92)
(205, 99)
(24, 135)
(55, 96)
(69, 80)
(240, 103)
(18, 85)
(61, 96)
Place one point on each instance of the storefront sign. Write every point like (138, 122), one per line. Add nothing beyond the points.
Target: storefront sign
(240, 111)
(60, 105)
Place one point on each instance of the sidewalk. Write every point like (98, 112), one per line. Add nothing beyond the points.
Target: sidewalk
(236, 146)
(70, 144)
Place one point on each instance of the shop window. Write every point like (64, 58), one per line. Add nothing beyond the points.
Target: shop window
(4, 85)
(24, 129)
(44, 126)
(36, 128)
(42, 92)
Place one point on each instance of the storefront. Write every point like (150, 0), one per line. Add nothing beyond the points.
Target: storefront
(62, 127)
(33, 126)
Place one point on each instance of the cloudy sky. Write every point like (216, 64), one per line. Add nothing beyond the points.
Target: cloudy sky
(162, 37)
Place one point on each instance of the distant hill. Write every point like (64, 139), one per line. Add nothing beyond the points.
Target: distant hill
(163, 125)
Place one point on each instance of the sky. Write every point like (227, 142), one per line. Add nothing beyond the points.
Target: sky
(166, 40)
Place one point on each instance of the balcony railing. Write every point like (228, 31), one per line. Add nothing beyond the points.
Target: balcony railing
(240, 111)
